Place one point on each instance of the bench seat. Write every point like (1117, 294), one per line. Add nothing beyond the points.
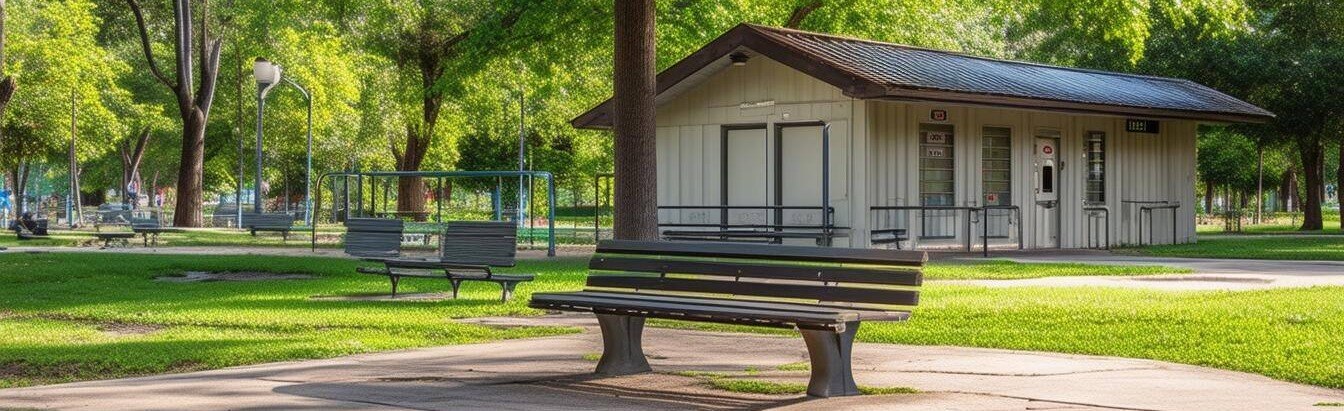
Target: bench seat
(469, 250)
(719, 310)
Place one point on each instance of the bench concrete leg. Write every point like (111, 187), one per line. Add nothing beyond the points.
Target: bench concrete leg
(829, 352)
(457, 284)
(622, 351)
(395, 279)
(508, 289)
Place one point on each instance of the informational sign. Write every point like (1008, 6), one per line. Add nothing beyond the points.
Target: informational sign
(1047, 150)
(412, 238)
(1141, 126)
(935, 152)
(938, 115)
(936, 137)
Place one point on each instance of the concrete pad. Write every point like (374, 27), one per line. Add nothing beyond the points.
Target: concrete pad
(551, 373)
(1208, 273)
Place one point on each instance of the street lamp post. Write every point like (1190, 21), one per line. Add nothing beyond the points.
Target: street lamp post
(308, 170)
(268, 76)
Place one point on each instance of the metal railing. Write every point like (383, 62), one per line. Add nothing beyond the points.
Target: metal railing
(1095, 213)
(937, 219)
(1147, 207)
(770, 224)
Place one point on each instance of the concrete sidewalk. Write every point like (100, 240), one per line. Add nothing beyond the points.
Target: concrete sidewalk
(551, 373)
(1208, 273)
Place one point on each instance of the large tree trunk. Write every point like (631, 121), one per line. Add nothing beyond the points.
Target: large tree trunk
(1313, 155)
(636, 204)
(187, 210)
(1208, 199)
(1288, 190)
(411, 197)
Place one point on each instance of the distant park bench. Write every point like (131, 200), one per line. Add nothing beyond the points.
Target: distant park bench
(889, 236)
(274, 222)
(149, 230)
(30, 229)
(373, 238)
(469, 251)
(825, 293)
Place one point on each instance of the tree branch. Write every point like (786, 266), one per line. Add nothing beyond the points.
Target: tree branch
(801, 12)
(144, 43)
(205, 97)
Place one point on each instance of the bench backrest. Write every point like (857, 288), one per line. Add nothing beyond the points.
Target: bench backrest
(373, 237)
(144, 223)
(267, 220)
(882, 279)
(493, 243)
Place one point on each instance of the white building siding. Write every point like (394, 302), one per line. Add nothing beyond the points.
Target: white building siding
(875, 157)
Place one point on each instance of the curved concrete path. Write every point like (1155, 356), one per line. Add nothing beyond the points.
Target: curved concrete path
(551, 373)
(1208, 273)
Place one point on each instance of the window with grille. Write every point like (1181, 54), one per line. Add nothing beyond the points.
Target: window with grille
(996, 166)
(936, 177)
(1096, 167)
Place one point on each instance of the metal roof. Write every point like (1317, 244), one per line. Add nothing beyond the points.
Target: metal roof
(866, 69)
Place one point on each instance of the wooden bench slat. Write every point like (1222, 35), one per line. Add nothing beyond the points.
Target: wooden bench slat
(760, 289)
(794, 272)
(864, 314)
(572, 299)
(774, 252)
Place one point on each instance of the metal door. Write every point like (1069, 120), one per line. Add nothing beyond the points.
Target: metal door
(1046, 166)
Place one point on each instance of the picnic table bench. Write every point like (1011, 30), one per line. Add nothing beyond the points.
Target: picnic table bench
(149, 230)
(469, 251)
(274, 222)
(824, 293)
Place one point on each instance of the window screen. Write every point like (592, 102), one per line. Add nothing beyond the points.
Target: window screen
(1096, 167)
(936, 184)
(996, 165)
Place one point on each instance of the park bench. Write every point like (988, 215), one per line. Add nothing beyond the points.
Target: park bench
(149, 230)
(30, 229)
(225, 215)
(884, 236)
(107, 237)
(825, 293)
(274, 222)
(373, 238)
(469, 251)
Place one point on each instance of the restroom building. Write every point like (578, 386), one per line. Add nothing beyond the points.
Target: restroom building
(802, 137)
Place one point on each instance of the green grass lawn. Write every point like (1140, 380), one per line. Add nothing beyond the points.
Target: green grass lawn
(74, 316)
(60, 314)
(1264, 247)
(1010, 270)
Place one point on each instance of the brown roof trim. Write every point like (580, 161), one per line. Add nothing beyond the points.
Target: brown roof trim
(743, 35)
(853, 85)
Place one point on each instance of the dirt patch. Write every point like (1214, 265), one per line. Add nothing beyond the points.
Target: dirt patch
(207, 276)
(118, 329)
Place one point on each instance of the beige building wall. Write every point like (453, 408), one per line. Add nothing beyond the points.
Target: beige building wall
(874, 156)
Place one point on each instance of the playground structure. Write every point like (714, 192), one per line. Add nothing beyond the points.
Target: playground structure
(342, 208)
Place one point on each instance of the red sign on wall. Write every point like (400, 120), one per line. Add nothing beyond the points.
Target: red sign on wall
(938, 115)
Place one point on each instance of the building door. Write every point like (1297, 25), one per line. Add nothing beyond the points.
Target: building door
(1046, 167)
(746, 175)
(799, 181)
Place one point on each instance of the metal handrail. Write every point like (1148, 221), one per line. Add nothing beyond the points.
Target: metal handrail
(828, 229)
(1092, 212)
(1149, 209)
(984, 224)
(970, 210)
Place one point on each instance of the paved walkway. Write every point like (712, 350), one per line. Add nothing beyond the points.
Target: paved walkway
(1208, 273)
(551, 373)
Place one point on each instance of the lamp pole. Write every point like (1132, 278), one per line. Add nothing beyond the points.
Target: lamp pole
(268, 76)
(308, 171)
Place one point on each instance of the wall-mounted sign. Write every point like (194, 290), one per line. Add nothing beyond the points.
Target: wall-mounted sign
(756, 104)
(934, 152)
(938, 115)
(1047, 150)
(935, 137)
(1141, 126)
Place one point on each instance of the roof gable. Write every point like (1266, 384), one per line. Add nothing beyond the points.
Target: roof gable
(865, 69)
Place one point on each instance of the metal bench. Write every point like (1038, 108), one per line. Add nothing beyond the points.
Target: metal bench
(149, 230)
(373, 238)
(107, 237)
(30, 229)
(275, 222)
(889, 236)
(469, 250)
(825, 293)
